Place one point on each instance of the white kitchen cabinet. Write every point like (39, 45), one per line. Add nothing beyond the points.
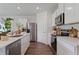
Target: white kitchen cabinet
(71, 13)
(14, 48)
(15, 45)
(25, 42)
(3, 51)
(60, 9)
(57, 12)
(53, 18)
(64, 49)
(67, 46)
(77, 12)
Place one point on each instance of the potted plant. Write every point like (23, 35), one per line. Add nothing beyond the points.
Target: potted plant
(8, 24)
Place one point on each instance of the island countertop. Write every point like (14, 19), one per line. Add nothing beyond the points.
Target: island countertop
(12, 39)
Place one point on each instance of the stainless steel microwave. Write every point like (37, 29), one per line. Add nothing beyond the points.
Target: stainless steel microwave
(59, 20)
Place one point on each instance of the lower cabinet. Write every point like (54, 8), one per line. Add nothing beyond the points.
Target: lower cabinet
(19, 47)
(65, 48)
(14, 48)
(2, 51)
(25, 42)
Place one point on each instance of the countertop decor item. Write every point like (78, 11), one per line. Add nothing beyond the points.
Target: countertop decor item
(19, 28)
(73, 32)
(56, 31)
(53, 31)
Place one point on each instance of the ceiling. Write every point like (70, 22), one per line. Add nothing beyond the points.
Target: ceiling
(25, 9)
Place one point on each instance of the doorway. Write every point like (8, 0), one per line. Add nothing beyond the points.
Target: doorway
(33, 32)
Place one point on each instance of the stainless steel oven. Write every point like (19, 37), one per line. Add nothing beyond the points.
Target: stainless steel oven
(59, 20)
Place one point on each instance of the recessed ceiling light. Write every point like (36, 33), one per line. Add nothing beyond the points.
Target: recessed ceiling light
(18, 8)
(69, 8)
(37, 8)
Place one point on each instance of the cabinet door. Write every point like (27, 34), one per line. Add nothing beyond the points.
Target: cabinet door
(25, 42)
(53, 18)
(60, 9)
(2, 51)
(28, 40)
(42, 27)
(70, 13)
(77, 12)
(64, 48)
(14, 48)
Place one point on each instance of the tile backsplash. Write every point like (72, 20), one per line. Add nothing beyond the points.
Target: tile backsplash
(69, 26)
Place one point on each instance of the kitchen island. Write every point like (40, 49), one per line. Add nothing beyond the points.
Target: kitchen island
(67, 45)
(15, 45)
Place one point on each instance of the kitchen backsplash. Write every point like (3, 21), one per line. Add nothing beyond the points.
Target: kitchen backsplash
(69, 26)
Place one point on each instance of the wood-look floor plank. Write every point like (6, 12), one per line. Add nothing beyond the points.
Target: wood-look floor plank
(39, 49)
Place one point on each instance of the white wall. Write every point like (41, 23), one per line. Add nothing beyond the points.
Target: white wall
(49, 24)
(19, 19)
(31, 19)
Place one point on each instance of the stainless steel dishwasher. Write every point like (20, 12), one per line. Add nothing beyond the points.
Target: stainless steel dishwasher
(14, 48)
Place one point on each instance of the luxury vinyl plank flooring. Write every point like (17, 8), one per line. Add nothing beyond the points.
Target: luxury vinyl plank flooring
(39, 49)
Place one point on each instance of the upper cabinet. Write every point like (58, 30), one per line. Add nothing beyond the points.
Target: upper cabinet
(71, 13)
(53, 18)
(70, 10)
(58, 11)
(60, 8)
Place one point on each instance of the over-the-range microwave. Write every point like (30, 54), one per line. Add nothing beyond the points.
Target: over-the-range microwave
(59, 20)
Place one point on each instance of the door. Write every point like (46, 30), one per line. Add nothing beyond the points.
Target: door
(42, 27)
(33, 31)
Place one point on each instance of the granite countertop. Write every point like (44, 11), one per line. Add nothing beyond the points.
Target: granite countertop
(70, 40)
(12, 39)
